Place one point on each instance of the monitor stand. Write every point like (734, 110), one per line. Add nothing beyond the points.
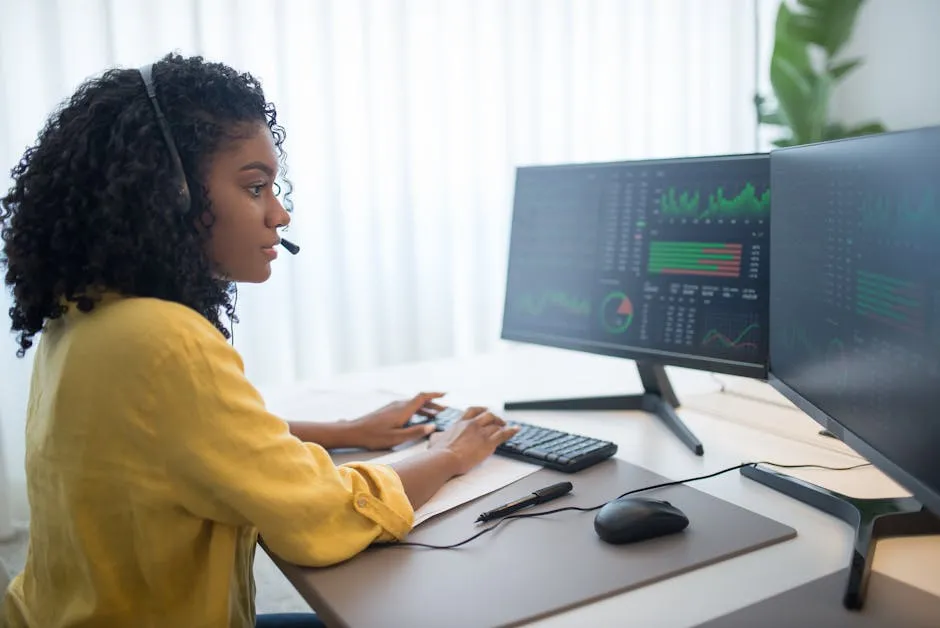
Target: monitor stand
(872, 519)
(658, 398)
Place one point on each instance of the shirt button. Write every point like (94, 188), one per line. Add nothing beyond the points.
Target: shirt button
(361, 502)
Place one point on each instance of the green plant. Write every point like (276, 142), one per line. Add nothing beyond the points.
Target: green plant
(804, 69)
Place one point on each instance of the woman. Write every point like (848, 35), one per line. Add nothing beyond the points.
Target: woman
(152, 464)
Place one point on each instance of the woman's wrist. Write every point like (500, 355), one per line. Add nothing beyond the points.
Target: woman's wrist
(448, 460)
(422, 475)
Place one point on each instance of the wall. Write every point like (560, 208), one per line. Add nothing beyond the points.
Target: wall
(899, 82)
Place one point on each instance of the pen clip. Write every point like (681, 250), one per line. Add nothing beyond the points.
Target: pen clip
(555, 490)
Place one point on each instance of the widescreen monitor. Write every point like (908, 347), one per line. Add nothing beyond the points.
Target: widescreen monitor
(659, 260)
(855, 296)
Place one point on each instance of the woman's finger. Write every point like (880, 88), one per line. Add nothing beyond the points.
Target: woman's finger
(488, 418)
(472, 412)
(503, 434)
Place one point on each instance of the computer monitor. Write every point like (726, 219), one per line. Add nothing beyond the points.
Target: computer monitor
(855, 319)
(661, 261)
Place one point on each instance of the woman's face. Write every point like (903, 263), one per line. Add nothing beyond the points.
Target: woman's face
(246, 212)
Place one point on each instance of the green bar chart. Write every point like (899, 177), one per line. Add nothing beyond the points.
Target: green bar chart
(889, 300)
(709, 259)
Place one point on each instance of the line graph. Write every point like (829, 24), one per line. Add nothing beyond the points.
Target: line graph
(542, 303)
(826, 349)
(747, 203)
(908, 214)
(732, 332)
(738, 342)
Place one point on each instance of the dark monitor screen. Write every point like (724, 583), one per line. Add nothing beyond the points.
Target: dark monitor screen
(855, 285)
(660, 260)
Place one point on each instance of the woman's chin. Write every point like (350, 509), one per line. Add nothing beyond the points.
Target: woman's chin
(258, 276)
(255, 275)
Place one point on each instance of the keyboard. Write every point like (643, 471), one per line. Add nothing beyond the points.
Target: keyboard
(553, 449)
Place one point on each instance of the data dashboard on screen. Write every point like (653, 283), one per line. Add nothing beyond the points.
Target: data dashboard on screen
(665, 259)
(855, 278)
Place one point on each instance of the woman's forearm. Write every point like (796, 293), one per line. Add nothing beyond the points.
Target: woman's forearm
(332, 435)
(423, 474)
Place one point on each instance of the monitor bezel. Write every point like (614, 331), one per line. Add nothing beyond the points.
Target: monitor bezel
(927, 496)
(751, 370)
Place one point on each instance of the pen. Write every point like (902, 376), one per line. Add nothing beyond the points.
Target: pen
(540, 496)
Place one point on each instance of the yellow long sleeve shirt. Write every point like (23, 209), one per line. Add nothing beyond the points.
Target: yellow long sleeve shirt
(152, 466)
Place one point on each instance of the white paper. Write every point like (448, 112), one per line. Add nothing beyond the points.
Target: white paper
(491, 475)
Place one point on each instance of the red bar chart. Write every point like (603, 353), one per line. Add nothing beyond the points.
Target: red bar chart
(708, 259)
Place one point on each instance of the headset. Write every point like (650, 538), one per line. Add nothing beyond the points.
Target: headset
(146, 73)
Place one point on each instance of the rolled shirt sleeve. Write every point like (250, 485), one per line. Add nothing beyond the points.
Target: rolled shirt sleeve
(232, 461)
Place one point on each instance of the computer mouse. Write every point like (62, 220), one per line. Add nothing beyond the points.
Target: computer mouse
(632, 519)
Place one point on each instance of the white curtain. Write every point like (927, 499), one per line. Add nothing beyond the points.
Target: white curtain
(6, 515)
(405, 120)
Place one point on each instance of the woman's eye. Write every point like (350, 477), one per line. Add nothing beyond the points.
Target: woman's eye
(256, 190)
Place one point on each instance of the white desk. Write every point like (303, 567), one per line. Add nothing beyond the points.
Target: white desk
(749, 431)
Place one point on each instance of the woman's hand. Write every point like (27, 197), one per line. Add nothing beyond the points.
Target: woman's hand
(384, 428)
(474, 438)
(464, 445)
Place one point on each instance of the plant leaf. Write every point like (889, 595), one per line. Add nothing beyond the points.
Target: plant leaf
(801, 89)
(840, 131)
(782, 25)
(841, 69)
(819, 108)
(826, 23)
(795, 49)
(774, 118)
(793, 81)
(834, 131)
(869, 128)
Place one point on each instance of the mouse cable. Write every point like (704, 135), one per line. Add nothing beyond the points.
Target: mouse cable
(634, 491)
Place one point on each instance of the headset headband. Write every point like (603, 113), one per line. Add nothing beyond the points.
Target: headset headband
(146, 73)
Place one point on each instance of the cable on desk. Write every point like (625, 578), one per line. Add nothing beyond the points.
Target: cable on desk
(634, 491)
(727, 391)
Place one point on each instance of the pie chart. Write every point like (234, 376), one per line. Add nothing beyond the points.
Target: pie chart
(616, 312)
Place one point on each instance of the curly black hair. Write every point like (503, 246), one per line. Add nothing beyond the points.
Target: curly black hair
(95, 203)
